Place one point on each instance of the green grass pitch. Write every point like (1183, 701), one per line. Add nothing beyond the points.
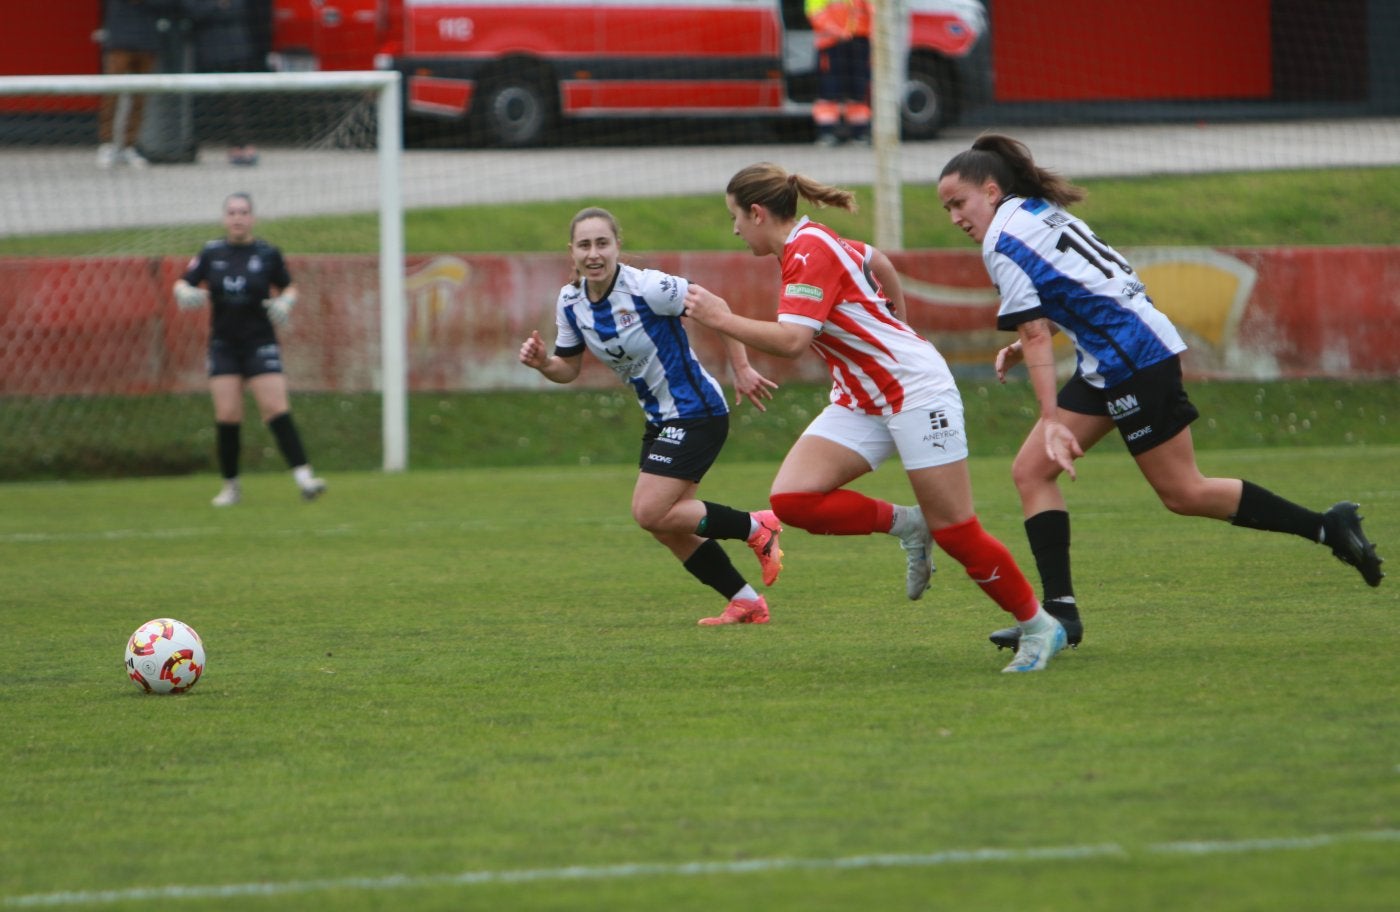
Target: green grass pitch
(485, 689)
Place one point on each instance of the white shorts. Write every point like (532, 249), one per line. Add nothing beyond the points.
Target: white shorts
(923, 437)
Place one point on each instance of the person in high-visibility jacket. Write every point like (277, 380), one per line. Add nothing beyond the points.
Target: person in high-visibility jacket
(843, 76)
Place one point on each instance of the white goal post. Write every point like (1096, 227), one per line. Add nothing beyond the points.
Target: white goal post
(389, 145)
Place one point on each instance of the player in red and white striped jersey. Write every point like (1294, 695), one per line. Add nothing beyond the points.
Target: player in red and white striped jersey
(891, 393)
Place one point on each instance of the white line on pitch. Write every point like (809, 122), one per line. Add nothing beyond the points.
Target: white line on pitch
(692, 868)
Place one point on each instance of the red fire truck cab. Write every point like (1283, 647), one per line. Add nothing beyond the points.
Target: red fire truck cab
(512, 69)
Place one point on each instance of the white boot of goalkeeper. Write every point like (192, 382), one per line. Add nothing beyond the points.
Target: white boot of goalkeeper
(230, 494)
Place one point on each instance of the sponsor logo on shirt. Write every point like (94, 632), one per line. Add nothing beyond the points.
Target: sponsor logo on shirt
(800, 290)
(626, 368)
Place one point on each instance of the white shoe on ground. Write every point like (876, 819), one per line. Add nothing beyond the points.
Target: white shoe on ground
(134, 159)
(313, 489)
(230, 494)
(1037, 649)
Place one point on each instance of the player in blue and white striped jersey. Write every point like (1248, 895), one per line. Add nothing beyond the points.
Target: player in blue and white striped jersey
(1053, 274)
(630, 319)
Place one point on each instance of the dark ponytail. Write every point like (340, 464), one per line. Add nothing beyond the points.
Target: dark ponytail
(1008, 163)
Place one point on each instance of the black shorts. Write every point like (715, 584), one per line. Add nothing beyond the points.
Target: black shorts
(245, 359)
(1149, 408)
(684, 448)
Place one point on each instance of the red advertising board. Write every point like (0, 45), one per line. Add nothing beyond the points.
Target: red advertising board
(109, 326)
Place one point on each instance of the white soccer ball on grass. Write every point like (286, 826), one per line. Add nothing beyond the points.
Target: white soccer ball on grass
(165, 656)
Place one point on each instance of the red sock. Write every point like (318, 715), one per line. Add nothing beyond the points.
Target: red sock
(990, 566)
(838, 512)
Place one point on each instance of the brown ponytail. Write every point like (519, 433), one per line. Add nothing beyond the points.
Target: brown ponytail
(776, 190)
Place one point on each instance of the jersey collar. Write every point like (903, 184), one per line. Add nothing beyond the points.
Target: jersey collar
(606, 294)
(801, 223)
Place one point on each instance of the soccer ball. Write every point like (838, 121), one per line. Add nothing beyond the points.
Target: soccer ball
(165, 656)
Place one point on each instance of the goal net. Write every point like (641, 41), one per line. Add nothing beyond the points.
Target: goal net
(92, 239)
(96, 356)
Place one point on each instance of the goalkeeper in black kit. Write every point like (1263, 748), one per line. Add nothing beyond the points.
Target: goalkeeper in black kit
(247, 282)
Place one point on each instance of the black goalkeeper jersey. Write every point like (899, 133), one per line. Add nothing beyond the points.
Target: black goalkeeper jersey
(239, 277)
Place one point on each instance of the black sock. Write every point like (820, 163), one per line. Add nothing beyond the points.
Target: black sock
(723, 522)
(1262, 509)
(288, 440)
(711, 566)
(1048, 534)
(1061, 609)
(228, 438)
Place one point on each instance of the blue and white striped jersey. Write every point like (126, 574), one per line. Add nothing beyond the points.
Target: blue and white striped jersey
(636, 331)
(1046, 262)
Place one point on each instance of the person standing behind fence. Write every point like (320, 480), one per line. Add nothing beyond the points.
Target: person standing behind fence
(247, 281)
(843, 69)
(131, 42)
(227, 40)
(1055, 275)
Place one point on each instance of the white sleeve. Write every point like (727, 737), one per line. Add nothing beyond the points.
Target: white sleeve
(564, 335)
(664, 294)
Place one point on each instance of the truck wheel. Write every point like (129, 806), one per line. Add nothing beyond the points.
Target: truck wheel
(516, 108)
(928, 104)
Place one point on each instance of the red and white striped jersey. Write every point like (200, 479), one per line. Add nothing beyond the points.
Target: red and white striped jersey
(879, 365)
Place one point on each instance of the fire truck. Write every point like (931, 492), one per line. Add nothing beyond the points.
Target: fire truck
(512, 71)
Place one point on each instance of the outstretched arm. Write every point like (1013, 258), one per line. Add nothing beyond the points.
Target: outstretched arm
(748, 383)
(786, 340)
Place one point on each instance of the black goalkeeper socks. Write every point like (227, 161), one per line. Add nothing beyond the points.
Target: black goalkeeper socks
(288, 440)
(228, 436)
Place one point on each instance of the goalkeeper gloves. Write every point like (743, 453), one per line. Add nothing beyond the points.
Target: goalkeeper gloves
(279, 308)
(190, 296)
